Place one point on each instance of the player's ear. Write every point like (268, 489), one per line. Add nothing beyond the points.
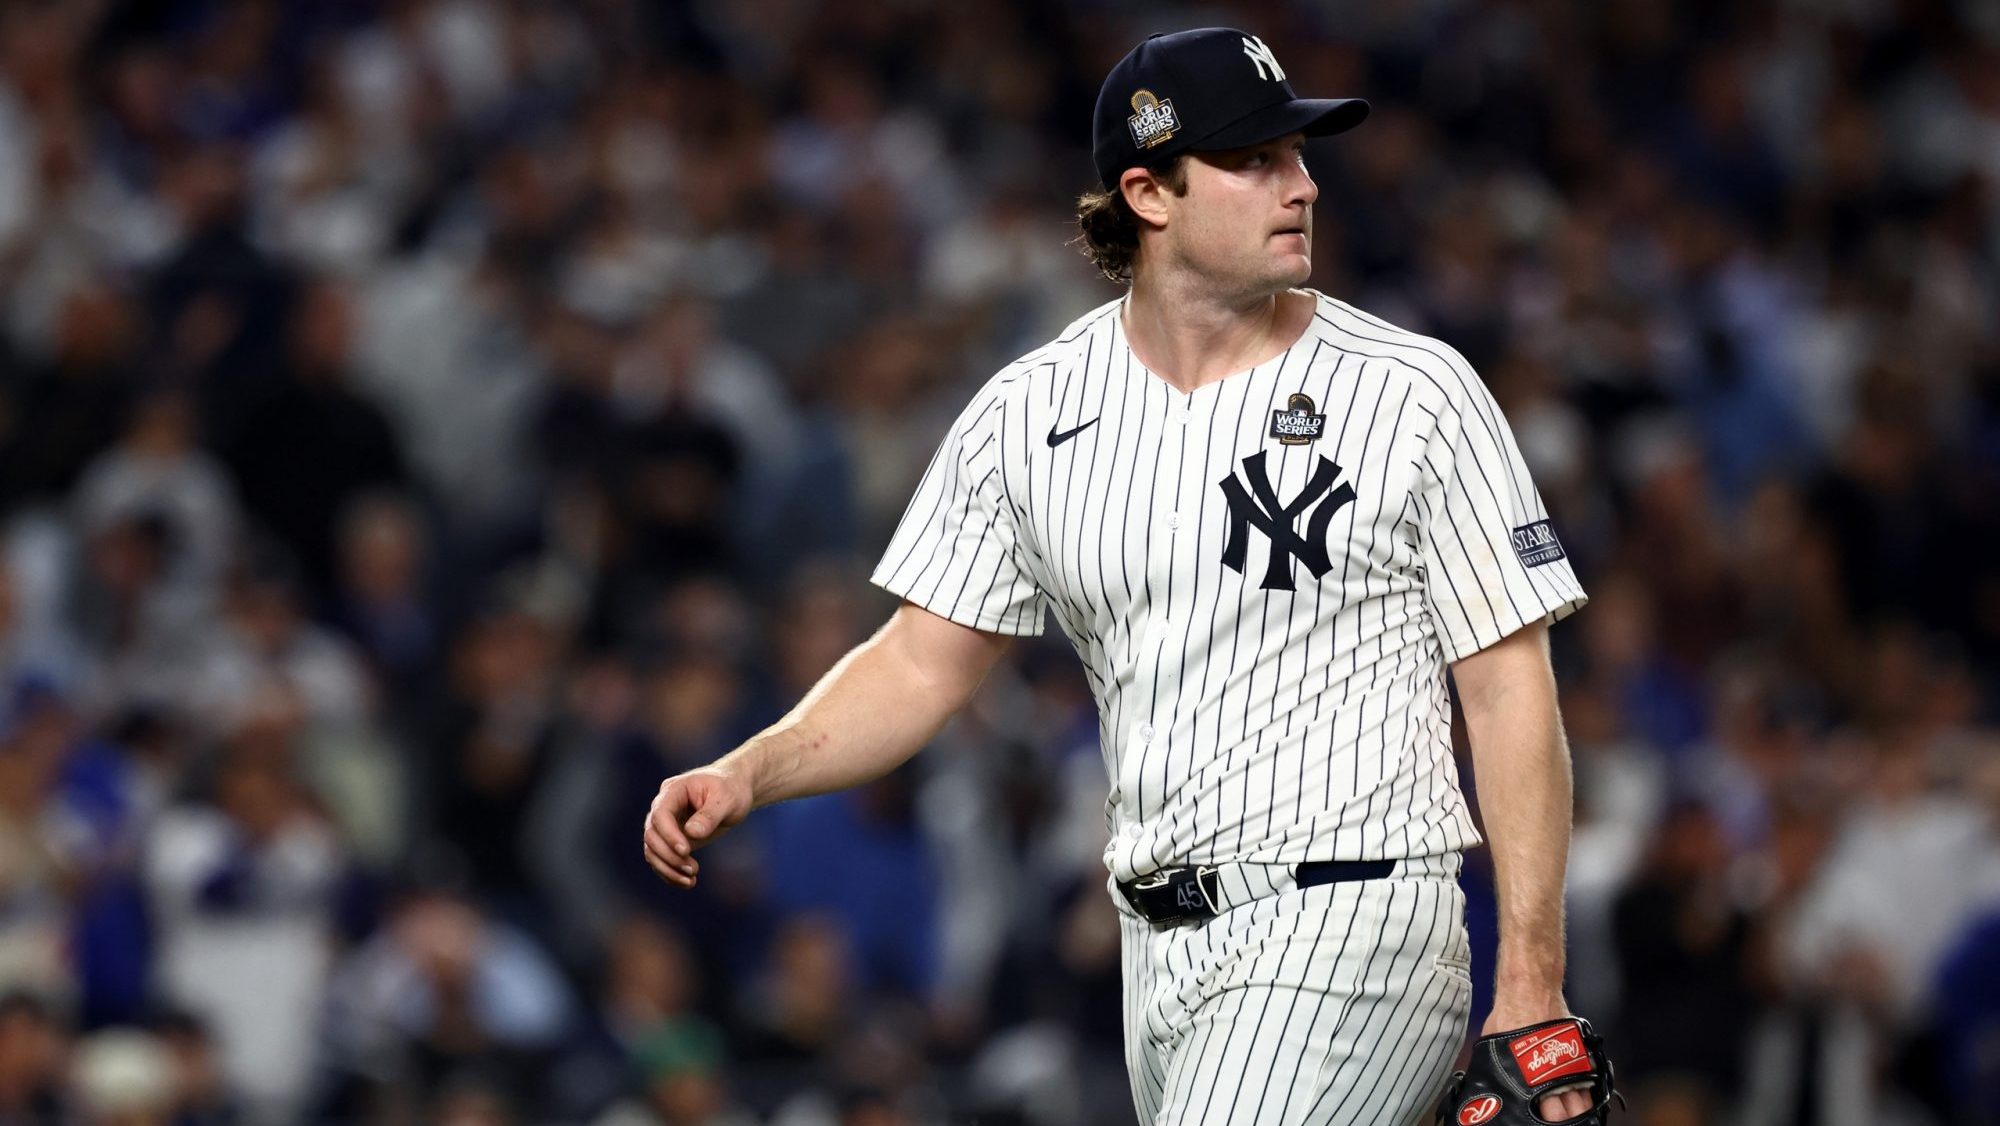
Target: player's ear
(1146, 194)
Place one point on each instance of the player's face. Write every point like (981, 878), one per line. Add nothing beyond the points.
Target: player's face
(1246, 220)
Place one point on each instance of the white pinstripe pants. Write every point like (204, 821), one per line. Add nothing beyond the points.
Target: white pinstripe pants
(1338, 1005)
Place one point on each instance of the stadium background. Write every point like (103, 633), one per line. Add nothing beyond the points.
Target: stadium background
(424, 424)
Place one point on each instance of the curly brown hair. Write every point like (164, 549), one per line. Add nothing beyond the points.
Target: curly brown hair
(1109, 231)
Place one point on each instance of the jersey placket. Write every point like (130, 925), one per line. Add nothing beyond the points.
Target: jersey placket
(1146, 767)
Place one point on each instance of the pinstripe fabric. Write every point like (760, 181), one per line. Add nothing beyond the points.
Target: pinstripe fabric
(1240, 722)
(1260, 703)
(1341, 1004)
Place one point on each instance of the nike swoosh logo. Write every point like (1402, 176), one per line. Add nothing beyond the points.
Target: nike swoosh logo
(1057, 438)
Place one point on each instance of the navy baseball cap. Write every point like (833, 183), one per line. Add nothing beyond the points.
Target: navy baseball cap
(1198, 91)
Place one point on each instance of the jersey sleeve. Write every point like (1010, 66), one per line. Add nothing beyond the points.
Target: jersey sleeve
(956, 552)
(1492, 560)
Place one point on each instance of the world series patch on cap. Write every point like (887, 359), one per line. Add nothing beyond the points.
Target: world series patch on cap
(1205, 90)
(1512, 1071)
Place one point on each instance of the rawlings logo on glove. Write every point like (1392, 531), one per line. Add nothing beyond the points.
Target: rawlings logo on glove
(1550, 1054)
(1511, 1071)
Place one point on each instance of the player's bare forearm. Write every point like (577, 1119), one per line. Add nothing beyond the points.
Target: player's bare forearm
(873, 710)
(1521, 760)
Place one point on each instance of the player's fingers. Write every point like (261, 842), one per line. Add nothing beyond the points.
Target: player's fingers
(673, 869)
(669, 805)
(714, 810)
(656, 853)
(666, 871)
(703, 823)
(667, 853)
(1565, 1105)
(656, 845)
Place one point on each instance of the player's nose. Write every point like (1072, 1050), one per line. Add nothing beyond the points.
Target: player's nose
(1300, 189)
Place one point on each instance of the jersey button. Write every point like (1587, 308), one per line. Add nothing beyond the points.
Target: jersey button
(1184, 418)
(1173, 520)
(1145, 733)
(1133, 831)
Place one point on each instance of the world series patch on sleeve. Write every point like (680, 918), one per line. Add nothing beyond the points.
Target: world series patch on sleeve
(1510, 1072)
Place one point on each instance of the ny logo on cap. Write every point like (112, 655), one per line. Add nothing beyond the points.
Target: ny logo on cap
(1267, 63)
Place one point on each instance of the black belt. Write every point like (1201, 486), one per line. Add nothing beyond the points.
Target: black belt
(1182, 895)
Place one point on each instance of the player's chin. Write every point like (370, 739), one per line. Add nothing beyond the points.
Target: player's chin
(1291, 269)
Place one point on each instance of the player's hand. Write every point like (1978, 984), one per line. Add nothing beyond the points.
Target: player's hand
(1511, 1013)
(691, 810)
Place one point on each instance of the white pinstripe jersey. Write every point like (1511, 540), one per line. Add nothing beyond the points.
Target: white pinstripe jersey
(1258, 700)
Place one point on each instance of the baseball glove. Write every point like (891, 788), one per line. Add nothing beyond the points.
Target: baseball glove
(1511, 1071)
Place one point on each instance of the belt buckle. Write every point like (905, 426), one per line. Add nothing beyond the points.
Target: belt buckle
(1195, 892)
(1209, 883)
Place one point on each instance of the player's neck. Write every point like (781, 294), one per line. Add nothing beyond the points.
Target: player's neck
(1192, 339)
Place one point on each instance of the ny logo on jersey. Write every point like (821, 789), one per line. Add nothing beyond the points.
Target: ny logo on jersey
(1267, 63)
(1259, 506)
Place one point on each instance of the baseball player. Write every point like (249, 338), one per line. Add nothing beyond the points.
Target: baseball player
(1268, 522)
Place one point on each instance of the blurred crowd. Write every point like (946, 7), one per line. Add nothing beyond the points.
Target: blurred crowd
(426, 424)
